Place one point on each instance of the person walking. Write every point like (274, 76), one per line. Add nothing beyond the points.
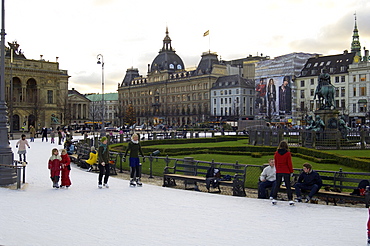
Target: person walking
(21, 145)
(54, 165)
(134, 148)
(66, 168)
(103, 163)
(284, 168)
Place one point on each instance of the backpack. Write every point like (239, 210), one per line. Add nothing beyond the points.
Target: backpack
(361, 188)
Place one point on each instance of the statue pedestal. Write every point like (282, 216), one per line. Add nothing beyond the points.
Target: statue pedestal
(330, 118)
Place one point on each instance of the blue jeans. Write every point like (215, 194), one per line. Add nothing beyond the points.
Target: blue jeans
(262, 188)
(301, 186)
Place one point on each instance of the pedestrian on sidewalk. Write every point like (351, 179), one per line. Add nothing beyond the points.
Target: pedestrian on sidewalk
(21, 145)
(66, 168)
(54, 166)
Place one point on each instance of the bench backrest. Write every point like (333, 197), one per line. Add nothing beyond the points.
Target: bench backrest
(200, 168)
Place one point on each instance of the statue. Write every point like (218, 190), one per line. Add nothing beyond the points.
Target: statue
(325, 91)
(309, 122)
(319, 124)
(54, 119)
(342, 127)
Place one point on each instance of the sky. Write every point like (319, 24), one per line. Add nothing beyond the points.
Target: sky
(39, 215)
(129, 34)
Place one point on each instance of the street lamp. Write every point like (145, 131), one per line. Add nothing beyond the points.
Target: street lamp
(6, 154)
(101, 61)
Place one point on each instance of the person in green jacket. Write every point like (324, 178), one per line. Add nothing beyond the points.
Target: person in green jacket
(135, 148)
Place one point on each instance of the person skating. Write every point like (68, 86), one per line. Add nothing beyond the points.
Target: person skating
(284, 167)
(21, 145)
(54, 166)
(66, 168)
(103, 160)
(134, 148)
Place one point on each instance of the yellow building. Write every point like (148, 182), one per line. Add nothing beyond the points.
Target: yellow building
(36, 91)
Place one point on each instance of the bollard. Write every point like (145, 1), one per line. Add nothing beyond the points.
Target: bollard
(18, 178)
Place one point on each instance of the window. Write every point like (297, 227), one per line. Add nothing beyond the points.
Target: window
(172, 66)
(225, 92)
(312, 81)
(215, 93)
(312, 92)
(308, 65)
(336, 92)
(316, 64)
(354, 78)
(354, 108)
(343, 103)
(229, 92)
(230, 100)
(337, 79)
(214, 101)
(221, 93)
(362, 91)
(331, 70)
(50, 96)
(302, 83)
(178, 66)
(321, 64)
(214, 111)
(362, 77)
(302, 93)
(342, 91)
(328, 63)
(222, 101)
(354, 91)
(237, 91)
(342, 68)
(342, 78)
(302, 106)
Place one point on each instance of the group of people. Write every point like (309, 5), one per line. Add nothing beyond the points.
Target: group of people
(59, 165)
(280, 169)
(102, 157)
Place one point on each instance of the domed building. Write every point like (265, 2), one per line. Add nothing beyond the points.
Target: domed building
(169, 94)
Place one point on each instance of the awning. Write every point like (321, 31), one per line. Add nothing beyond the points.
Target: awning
(362, 101)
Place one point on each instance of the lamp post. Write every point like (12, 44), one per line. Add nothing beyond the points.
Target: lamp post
(6, 154)
(101, 61)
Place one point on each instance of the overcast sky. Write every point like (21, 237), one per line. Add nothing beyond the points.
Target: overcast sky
(130, 33)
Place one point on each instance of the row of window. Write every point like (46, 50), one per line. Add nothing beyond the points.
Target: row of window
(337, 79)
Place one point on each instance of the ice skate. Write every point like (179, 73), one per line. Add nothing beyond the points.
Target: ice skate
(291, 203)
(106, 185)
(138, 182)
(100, 186)
(273, 201)
(132, 183)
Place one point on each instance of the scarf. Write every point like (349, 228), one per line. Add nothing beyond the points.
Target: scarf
(104, 147)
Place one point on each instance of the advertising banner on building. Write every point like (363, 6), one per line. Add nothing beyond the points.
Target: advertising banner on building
(273, 96)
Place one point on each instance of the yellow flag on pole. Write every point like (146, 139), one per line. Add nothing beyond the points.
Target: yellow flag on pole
(206, 33)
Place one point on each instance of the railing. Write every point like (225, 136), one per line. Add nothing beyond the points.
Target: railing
(19, 166)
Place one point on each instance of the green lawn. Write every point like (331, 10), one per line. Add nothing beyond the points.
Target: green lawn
(351, 152)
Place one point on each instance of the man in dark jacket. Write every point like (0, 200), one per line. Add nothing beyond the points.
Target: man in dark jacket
(308, 180)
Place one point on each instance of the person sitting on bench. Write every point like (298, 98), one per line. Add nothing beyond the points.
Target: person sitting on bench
(213, 176)
(267, 179)
(308, 180)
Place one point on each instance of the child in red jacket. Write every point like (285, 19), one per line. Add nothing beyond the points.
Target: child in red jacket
(54, 166)
(66, 168)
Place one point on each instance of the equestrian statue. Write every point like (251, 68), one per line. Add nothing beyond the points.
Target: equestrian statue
(325, 91)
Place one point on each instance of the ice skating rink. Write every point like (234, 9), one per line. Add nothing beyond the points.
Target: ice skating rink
(153, 215)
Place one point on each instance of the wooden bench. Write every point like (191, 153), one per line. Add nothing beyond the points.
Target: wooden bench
(338, 186)
(193, 172)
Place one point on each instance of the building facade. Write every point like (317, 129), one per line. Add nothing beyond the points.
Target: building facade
(169, 94)
(232, 98)
(36, 91)
(78, 107)
(111, 109)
